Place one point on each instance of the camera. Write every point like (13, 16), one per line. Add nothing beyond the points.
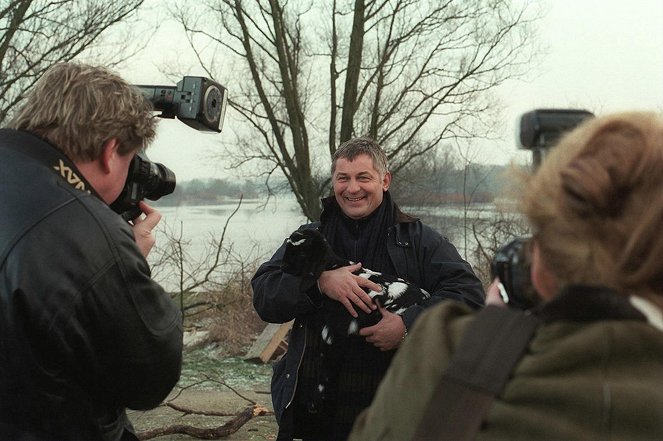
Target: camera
(511, 265)
(198, 102)
(539, 130)
(145, 180)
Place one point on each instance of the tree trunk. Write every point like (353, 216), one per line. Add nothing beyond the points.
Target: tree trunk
(352, 73)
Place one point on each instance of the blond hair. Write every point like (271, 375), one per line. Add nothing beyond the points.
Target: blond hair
(596, 204)
(77, 107)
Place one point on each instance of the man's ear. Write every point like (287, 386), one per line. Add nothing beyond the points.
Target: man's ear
(386, 181)
(108, 153)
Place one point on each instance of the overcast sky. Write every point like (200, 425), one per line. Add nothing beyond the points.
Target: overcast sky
(603, 56)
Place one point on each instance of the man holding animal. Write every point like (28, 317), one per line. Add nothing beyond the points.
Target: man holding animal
(318, 388)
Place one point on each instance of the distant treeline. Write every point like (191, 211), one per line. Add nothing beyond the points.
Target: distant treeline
(474, 183)
(434, 184)
(210, 191)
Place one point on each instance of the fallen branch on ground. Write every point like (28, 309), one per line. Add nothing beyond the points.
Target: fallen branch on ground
(222, 431)
(226, 429)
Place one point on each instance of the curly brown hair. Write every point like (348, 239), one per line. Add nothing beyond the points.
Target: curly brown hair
(596, 204)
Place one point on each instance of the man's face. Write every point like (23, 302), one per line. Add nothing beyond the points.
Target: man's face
(358, 187)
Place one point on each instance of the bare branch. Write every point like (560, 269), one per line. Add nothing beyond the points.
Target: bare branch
(411, 73)
(222, 431)
(34, 34)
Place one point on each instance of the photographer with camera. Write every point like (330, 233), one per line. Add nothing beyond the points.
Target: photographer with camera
(583, 363)
(84, 330)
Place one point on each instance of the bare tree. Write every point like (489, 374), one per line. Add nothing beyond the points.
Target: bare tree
(308, 75)
(34, 34)
(427, 180)
(489, 234)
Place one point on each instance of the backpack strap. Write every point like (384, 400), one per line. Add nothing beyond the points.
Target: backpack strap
(479, 368)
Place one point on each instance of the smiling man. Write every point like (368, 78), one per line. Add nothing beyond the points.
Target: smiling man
(318, 390)
(358, 186)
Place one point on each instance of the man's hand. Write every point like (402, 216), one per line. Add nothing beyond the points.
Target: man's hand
(143, 227)
(343, 286)
(387, 334)
(493, 294)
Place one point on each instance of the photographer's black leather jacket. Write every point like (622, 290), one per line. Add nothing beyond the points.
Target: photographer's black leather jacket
(84, 331)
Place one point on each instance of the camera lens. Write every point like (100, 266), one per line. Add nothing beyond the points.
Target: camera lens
(212, 104)
(159, 182)
(145, 180)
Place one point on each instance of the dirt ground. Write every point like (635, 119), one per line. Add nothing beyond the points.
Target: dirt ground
(258, 428)
(248, 381)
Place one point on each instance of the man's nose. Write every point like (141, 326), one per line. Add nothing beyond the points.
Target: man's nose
(353, 186)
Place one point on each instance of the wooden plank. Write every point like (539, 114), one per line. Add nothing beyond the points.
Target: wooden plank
(270, 343)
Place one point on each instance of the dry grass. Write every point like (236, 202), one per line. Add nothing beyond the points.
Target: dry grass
(226, 314)
(236, 325)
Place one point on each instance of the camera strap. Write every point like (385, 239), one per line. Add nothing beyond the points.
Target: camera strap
(479, 368)
(44, 153)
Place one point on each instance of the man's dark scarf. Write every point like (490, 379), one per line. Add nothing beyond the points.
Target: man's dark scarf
(362, 240)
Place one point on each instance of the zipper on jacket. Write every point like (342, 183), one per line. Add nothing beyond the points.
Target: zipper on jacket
(299, 364)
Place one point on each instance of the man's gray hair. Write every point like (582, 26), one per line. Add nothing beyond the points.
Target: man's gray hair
(362, 146)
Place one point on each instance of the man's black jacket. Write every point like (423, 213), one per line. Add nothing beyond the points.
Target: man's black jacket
(84, 331)
(417, 252)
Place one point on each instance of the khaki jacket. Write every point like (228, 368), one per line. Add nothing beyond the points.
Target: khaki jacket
(584, 376)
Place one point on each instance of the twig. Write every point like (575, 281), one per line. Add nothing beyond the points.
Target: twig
(222, 431)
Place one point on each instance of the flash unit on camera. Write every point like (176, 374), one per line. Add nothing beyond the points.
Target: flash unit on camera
(197, 101)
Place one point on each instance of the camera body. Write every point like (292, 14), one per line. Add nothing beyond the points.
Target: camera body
(511, 265)
(539, 131)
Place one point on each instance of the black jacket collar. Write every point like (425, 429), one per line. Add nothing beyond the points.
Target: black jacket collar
(585, 303)
(47, 155)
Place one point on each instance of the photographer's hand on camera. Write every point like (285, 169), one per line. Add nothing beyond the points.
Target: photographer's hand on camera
(343, 286)
(143, 227)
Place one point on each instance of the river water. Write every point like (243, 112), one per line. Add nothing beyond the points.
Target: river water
(256, 228)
